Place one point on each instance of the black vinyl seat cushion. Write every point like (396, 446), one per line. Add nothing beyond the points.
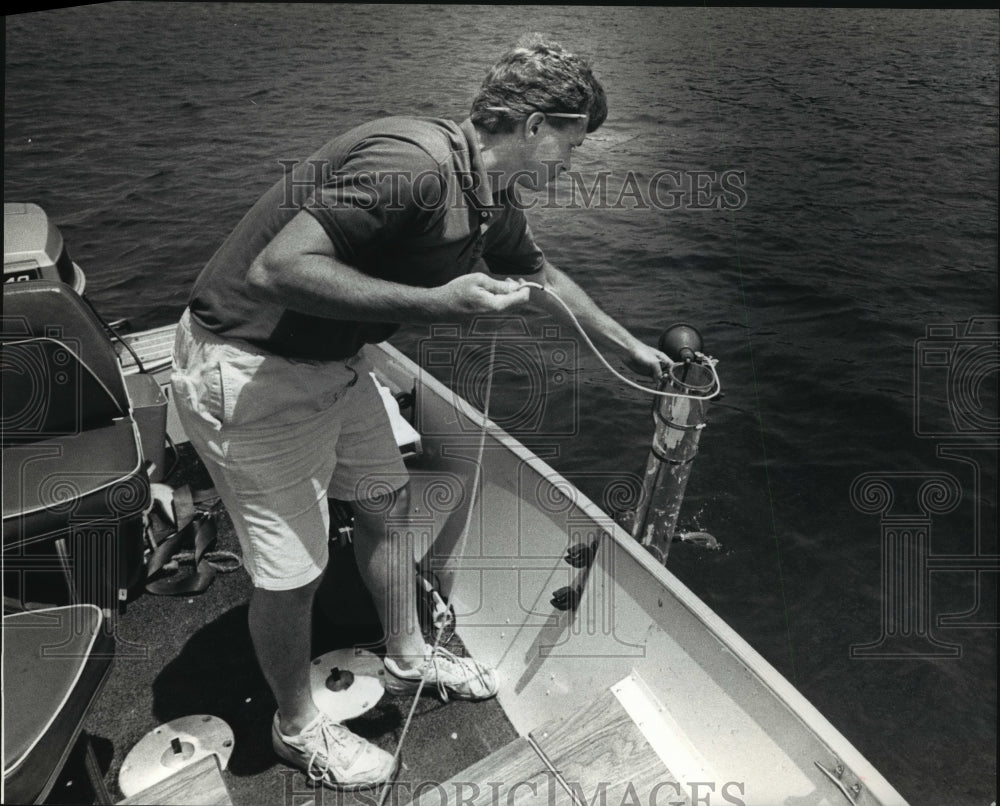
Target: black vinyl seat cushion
(55, 662)
(71, 453)
(73, 469)
(66, 482)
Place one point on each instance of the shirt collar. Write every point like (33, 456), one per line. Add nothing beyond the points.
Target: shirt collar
(478, 194)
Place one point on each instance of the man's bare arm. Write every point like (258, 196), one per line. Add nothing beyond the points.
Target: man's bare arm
(299, 270)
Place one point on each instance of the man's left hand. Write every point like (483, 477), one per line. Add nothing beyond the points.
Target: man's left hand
(647, 360)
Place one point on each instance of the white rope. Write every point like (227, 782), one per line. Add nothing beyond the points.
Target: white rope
(709, 362)
(460, 553)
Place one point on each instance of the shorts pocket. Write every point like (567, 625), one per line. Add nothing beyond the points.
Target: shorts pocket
(198, 389)
(259, 389)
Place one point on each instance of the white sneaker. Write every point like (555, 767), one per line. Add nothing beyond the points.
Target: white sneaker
(333, 756)
(461, 678)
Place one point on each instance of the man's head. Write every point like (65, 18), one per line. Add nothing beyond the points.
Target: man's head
(540, 101)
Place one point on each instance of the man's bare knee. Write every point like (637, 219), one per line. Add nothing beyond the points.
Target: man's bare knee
(373, 512)
(302, 593)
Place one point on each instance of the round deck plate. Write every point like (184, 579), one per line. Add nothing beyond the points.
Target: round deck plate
(363, 692)
(154, 757)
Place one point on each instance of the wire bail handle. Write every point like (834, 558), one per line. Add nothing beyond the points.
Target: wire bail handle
(677, 380)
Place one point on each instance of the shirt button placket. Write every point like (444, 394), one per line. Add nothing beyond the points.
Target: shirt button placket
(484, 223)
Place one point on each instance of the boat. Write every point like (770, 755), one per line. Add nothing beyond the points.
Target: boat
(618, 684)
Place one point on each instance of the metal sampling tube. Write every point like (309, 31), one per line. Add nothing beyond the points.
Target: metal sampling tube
(679, 421)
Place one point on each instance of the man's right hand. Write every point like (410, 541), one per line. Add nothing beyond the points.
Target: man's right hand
(478, 293)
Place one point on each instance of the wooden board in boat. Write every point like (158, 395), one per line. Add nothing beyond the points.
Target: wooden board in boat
(199, 784)
(600, 752)
(597, 754)
(514, 775)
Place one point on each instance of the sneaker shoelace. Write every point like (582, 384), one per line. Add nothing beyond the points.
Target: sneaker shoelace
(331, 739)
(470, 670)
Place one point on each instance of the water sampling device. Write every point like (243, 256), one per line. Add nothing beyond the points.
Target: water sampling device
(679, 415)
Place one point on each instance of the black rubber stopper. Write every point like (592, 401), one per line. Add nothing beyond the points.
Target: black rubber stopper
(681, 342)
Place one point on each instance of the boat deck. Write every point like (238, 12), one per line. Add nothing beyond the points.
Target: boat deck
(179, 656)
(155, 348)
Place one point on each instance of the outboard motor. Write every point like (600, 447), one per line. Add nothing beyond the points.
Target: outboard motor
(33, 248)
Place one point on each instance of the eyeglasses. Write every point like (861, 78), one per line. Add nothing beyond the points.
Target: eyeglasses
(547, 114)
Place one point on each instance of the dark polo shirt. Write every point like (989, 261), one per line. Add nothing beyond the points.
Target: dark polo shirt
(402, 199)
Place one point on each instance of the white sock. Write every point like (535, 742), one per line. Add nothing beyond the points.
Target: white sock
(394, 667)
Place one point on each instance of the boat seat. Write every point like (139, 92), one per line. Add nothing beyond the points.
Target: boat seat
(49, 309)
(55, 662)
(76, 489)
(56, 489)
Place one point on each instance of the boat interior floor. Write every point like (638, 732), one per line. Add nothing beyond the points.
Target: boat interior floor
(178, 656)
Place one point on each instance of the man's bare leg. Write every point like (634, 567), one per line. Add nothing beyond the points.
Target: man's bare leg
(386, 563)
(281, 630)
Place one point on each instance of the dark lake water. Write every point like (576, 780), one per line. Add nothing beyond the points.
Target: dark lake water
(868, 140)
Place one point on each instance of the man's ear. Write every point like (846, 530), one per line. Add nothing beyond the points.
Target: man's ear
(533, 123)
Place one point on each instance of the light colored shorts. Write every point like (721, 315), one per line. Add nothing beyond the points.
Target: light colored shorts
(278, 436)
